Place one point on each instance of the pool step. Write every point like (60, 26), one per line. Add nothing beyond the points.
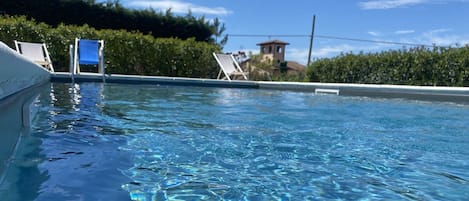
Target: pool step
(326, 91)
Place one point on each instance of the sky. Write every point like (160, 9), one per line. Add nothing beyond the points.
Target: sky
(405, 22)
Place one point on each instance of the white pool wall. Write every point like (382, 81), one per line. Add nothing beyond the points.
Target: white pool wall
(18, 73)
(19, 79)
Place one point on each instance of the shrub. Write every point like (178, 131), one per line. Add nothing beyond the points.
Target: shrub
(125, 52)
(437, 66)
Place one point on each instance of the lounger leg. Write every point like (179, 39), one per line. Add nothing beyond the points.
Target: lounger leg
(219, 74)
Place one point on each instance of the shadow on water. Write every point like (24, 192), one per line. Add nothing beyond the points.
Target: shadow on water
(41, 161)
(20, 153)
(80, 140)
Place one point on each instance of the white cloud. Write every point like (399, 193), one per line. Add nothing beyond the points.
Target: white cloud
(442, 37)
(301, 55)
(436, 31)
(332, 50)
(388, 4)
(401, 32)
(179, 7)
(374, 33)
(438, 37)
(298, 55)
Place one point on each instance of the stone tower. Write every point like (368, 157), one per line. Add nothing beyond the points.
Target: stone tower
(273, 51)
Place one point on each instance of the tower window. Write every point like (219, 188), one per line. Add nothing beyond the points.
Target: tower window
(279, 49)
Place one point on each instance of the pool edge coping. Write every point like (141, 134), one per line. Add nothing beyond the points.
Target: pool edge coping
(432, 93)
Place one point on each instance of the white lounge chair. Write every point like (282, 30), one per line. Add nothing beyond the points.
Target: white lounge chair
(35, 52)
(229, 67)
(87, 52)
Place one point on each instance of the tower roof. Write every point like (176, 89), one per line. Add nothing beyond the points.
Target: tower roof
(273, 42)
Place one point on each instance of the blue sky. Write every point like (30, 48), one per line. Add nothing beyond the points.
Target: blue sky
(427, 22)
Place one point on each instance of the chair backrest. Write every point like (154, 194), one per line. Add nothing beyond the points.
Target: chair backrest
(35, 52)
(229, 66)
(226, 62)
(88, 51)
(32, 51)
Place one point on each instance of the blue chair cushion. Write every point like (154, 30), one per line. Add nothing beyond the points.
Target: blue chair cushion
(88, 51)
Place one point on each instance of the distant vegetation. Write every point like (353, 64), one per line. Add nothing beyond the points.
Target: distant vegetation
(112, 15)
(146, 42)
(142, 42)
(266, 70)
(436, 66)
(125, 52)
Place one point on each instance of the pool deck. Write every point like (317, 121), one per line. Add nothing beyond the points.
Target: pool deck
(452, 94)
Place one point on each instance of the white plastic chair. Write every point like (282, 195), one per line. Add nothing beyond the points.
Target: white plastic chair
(35, 52)
(229, 67)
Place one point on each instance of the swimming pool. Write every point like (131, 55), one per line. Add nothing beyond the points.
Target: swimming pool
(97, 141)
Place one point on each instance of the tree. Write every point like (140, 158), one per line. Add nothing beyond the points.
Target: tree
(110, 14)
(217, 30)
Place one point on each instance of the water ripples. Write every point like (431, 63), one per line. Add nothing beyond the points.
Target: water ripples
(189, 143)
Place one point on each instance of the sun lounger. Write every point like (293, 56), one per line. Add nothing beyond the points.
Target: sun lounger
(229, 67)
(35, 52)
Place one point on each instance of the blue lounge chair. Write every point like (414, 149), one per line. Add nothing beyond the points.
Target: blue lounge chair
(88, 52)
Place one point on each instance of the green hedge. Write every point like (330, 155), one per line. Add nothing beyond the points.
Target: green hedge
(416, 66)
(125, 52)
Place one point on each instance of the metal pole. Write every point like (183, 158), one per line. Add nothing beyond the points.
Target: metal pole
(311, 40)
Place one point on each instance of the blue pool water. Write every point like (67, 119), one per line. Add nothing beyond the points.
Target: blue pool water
(123, 142)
